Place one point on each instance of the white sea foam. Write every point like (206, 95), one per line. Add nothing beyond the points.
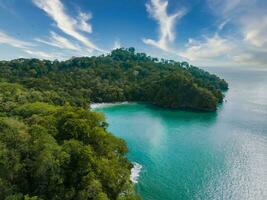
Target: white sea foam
(103, 105)
(135, 172)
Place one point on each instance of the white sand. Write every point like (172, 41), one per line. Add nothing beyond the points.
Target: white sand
(103, 105)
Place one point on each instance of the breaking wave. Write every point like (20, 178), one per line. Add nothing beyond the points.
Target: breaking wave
(135, 172)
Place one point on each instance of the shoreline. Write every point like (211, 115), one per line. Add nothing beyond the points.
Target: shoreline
(104, 104)
(136, 169)
(94, 106)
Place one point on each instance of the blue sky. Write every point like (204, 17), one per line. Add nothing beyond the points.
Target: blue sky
(202, 32)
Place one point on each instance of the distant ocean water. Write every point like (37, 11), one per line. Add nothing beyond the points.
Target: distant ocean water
(208, 156)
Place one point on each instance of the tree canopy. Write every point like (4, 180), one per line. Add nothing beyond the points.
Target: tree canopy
(122, 75)
(52, 152)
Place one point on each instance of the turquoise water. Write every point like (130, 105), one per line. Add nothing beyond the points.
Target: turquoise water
(209, 156)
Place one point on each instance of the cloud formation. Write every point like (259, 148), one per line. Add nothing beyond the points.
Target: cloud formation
(27, 47)
(71, 26)
(249, 19)
(42, 55)
(9, 40)
(117, 44)
(59, 41)
(83, 24)
(158, 11)
(255, 31)
(66, 23)
(209, 48)
(240, 37)
(236, 32)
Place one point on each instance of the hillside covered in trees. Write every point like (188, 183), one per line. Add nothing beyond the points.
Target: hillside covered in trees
(51, 152)
(52, 147)
(123, 75)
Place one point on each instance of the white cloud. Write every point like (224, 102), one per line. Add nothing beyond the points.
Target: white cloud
(219, 50)
(9, 40)
(230, 8)
(223, 24)
(69, 25)
(245, 42)
(208, 49)
(42, 55)
(251, 57)
(59, 41)
(242, 41)
(158, 11)
(82, 22)
(26, 47)
(255, 30)
(117, 44)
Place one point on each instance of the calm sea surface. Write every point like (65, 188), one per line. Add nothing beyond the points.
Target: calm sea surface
(209, 156)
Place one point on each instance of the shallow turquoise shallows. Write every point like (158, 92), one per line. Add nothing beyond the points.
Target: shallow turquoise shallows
(209, 156)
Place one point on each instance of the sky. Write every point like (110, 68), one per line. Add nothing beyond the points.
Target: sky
(201, 32)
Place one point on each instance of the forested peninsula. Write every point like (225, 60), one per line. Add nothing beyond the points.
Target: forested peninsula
(53, 147)
(122, 75)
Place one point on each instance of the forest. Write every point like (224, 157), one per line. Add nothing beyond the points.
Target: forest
(122, 75)
(51, 152)
(53, 147)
